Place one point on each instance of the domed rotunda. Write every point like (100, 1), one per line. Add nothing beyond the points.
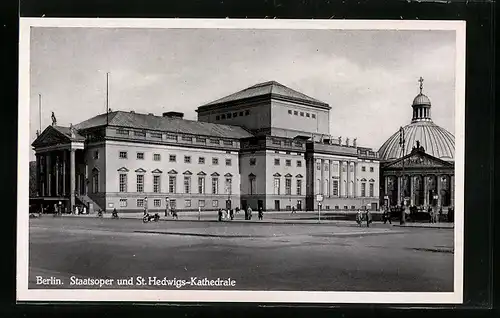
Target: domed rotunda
(417, 162)
(435, 140)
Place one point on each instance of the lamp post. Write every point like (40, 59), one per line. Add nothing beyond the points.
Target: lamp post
(402, 142)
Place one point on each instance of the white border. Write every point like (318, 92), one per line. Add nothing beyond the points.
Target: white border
(24, 294)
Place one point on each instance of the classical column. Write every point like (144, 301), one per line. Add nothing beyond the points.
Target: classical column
(57, 174)
(386, 185)
(330, 178)
(72, 180)
(49, 170)
(412, 190)
(64, 167)
(426, 190)
(355, 184)
(340, 178)
(38, 179)
(438, 179)
(452, 190)
(322, 177)
(348, 187)
(400, 188)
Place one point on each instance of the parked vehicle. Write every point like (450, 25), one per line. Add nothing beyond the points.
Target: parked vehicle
(148, 218)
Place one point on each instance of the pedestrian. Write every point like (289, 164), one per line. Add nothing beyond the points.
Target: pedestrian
(261, 213)
(249, 211)
(359, 218)
(386, 216)
(231, 214)
(174, 214)
(368, 218)
(440, 215)
(220, 214)
(293, 209)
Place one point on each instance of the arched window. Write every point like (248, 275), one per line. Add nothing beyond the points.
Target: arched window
(95, 180)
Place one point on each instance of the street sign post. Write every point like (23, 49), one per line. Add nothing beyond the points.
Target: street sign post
(319, 198)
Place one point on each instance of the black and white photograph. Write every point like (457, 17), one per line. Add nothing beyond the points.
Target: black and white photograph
(226, 160)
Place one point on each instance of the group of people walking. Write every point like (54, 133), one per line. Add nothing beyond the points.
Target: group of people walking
(230, 214)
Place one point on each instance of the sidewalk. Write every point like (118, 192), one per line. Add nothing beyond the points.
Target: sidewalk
(440, 225)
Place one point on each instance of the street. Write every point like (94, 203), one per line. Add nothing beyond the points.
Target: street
(257, 256)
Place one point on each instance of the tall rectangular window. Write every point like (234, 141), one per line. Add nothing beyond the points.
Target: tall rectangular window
(276, 185)
(157, 203)
(123, 182)
(288, 162)
(157, 184)
(123, 155)
(187, 159)
(335, 188)
(140, 183)
(299, 163)
(215, 161)
(363, 168)
(371, 189)
(371, 169)
(201, 160)
(95, 178)
(229, 186)
(228, 162)
(201, 185)
(156, 157)
(252, 185)
(363, 189)
(187, 184)
(299, 187)
(140, 155)
(288, 186)
(276, 162)
(172, 184)
(215, 185)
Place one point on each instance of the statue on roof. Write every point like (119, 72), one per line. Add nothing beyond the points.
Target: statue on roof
(72, 130)
(340, 141)
(347, 142)
(54, 120)
(354, 142)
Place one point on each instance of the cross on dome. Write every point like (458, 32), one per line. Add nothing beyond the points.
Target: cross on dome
(421, 81)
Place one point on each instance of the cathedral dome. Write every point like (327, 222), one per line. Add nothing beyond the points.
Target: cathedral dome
(435, 140)
(421, 100)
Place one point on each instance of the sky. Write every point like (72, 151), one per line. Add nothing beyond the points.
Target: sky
(369, 78)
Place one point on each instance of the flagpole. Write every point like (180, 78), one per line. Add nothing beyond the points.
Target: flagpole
(40, 110)
(107, 98)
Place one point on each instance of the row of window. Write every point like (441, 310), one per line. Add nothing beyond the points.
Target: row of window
(157, 203)
(335, 187)
(301, 114)
(277, 162)
(173, 158)
(286, 143)
(174, 137)
(233, 115)
(172, 184)
(288, 186)
(363, 168)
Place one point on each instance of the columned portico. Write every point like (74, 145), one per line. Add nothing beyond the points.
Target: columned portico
(72, 179)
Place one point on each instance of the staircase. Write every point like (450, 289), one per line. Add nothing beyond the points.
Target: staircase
(86, 201)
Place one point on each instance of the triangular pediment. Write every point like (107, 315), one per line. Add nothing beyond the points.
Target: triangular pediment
(215, 174)
(251, 175)
(298, 176)
(228, 175)
(51, 137)
(288, 175)
(187, 172)
(418, 160)
(157, 171)
(140, 170)
(123, 169)
(172, 172)
(276, 175)
(201, 173)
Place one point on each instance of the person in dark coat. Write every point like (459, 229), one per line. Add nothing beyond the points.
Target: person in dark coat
(220, 214)
(368, 218)
(261, 213)
(386, 216)
(231, 214)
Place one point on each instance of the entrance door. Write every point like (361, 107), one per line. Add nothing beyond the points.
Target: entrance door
(244, 205)
(277, 205)
(374, 206)
(299, 205)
